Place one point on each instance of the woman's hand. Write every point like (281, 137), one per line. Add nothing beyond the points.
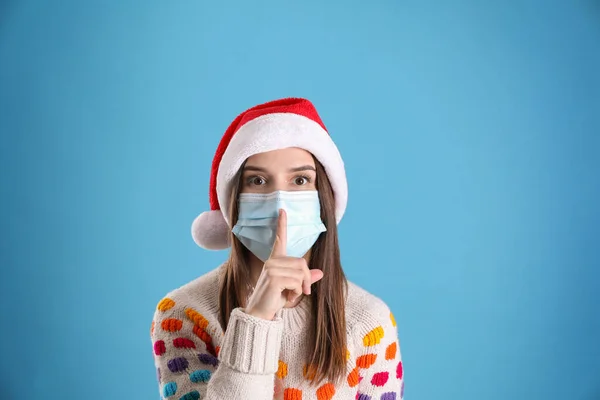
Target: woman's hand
(282, 279)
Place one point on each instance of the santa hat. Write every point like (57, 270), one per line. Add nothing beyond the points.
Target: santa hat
(279, 124)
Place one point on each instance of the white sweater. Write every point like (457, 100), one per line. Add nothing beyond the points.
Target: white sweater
(263, 360)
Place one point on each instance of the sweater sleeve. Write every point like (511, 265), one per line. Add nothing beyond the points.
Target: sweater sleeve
(190, 366)
(379, 361)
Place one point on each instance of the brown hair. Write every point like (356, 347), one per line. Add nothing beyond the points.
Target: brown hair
(328, 317)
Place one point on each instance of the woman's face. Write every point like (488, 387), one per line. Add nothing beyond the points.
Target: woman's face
(286, 169)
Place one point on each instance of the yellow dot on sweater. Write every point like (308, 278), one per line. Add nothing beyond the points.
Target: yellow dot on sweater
(347, 354)
(393, 319)
(165, 304)
(374, 337)
(282, 371)
(197, 318)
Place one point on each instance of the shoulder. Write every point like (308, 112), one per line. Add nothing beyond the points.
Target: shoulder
(196, 301)
(366, 312)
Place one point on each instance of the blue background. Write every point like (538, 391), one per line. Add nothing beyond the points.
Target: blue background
(471, 135)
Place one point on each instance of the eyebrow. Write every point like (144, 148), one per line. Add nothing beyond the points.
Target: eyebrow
(295, 169)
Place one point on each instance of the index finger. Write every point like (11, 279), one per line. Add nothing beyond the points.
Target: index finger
(280, 245)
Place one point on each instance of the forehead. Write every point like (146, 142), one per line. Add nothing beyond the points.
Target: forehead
(290, 157)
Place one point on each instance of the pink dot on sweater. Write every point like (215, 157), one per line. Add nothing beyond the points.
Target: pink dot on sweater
(380, 378)
(399, 370)
(159, 348)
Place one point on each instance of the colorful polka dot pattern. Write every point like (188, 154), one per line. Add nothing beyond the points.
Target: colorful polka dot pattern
(180, 365)
(380, 378)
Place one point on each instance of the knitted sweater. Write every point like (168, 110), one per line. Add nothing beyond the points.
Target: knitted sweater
(263, 360)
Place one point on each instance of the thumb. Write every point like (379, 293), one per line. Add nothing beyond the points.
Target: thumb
(315, 275)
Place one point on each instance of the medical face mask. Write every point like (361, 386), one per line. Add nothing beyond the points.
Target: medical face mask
(257, 221)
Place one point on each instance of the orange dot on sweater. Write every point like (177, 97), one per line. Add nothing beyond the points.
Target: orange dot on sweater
(374, 337)
(393, 319)
(390, 352)
(197, 318)
(292, 394)
(202, 334)
(353, 377)
(309, 371)
(366, 360)
(217, 349)
(282, 371)
(152, 328)
(172, 324)
(165, 304)
(326, 391)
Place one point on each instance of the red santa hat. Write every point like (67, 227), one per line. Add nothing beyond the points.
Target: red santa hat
(279, 124)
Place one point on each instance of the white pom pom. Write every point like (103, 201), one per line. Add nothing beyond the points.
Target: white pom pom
(210, 230)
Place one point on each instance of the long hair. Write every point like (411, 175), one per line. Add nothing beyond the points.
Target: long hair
(328, 318)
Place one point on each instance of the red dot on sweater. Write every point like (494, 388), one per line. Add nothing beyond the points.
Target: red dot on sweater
(399, 370)
(380, 378)
(183, 343)
(159, 348)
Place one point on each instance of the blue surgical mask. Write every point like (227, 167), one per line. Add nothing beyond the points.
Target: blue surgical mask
(257, 221)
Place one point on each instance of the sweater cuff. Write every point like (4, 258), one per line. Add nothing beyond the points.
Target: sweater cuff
(251, 345)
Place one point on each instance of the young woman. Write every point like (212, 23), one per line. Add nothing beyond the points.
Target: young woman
(278, 320)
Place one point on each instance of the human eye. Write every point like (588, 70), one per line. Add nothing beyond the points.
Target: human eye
(302, 180)
(255, 180)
